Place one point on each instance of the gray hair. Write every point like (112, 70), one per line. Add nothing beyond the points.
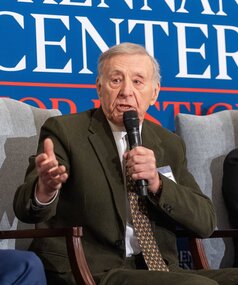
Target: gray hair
(128, 49)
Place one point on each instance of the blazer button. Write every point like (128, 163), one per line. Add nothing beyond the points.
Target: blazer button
(167, 207)
(119, 242)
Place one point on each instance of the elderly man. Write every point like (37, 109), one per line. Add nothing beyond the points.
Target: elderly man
(79, 175)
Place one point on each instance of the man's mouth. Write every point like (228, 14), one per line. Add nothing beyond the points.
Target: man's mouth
(124, 107)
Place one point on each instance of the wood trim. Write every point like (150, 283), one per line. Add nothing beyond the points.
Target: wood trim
(73, 236)
(196, 247)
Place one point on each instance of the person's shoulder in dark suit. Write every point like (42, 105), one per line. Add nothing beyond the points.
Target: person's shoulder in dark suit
(230, 185)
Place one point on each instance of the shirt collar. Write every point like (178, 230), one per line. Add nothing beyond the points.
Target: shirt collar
(119, 132)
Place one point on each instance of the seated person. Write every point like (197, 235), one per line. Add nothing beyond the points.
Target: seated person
(230, 192)
(20, 268)
(80, 173)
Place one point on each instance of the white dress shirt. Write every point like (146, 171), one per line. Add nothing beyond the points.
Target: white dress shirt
(131, 242)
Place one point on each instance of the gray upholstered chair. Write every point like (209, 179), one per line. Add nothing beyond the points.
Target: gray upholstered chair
(20, 125)
(19, 131)
(208, 140)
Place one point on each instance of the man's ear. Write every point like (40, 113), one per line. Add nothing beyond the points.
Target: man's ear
(98, 86)
(155, 94)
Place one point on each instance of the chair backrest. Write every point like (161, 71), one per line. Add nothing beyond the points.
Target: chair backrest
(20, 125)
(208, 140)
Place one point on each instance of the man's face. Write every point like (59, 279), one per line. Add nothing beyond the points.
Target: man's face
(126, 84)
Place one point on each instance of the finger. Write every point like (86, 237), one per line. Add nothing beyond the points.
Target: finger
(54, 172)
(140, 160)
(56, 182)
(47, 167)
(49, 148)
(40, 159)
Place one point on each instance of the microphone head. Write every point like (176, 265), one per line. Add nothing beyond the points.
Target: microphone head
(131, 123)
(131, 120)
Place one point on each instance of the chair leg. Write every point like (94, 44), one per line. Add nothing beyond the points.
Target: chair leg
(198, 254)
(77, 258)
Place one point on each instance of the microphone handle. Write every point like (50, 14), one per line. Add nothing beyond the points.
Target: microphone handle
(134, 139)
(141, 187)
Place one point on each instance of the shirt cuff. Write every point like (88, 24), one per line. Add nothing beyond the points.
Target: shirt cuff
(44, 204)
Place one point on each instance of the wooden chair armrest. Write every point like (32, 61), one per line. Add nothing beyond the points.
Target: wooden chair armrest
(197, 249)
(73, 236)
(216, 234)
(225, 233)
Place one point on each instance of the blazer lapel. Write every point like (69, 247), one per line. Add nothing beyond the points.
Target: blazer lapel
(104, 145)
(102, 139)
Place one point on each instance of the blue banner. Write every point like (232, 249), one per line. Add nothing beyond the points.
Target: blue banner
(49, 51)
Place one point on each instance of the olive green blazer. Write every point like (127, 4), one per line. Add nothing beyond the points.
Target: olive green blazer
(94, 194)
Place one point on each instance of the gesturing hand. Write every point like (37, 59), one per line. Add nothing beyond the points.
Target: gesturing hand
(51, 174)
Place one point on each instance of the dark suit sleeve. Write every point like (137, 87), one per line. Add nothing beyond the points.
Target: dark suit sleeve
(183, 201)
(230, 185)
(23, 204)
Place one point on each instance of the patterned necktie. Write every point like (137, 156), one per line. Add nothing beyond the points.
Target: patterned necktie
(143, 229)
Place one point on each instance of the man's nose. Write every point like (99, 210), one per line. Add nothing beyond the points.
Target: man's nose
(127, 88)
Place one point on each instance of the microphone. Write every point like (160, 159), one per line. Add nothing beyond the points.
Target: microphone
(131, 123)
